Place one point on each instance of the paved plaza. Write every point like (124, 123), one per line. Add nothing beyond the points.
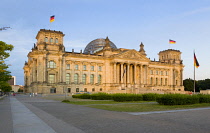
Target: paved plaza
(24, 114)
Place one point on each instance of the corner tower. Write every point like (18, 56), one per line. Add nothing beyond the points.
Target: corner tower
(50, 40)
(170, 56)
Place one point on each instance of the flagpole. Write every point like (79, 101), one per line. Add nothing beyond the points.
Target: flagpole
(194, 71)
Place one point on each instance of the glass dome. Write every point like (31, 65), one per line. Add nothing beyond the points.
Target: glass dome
(97, 45)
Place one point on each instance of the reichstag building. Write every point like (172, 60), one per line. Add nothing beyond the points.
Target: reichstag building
(101, 67)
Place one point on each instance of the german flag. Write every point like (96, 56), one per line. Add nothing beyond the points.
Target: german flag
(52, 18)
(196, 64)
(172, 41)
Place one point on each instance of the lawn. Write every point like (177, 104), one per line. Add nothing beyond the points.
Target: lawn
(140, 106)
(146, 107)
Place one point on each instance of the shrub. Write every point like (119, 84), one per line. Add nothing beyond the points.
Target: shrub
(82, 96)
(177, 99)
(150, 96)
(101, 96)
(127, 97)
(204, 98)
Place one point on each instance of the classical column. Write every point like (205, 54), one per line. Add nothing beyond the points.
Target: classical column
(141, 78)
(122, 71)
(60, 71)
(115, 69)
(34, 71)
(181, 77)
(63, 69)
(146, 74)
(45, 71)
(128, 73)
(135, 74)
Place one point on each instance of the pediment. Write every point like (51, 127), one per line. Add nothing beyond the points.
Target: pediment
(131, 54)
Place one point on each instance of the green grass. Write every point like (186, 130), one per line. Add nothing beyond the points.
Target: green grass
(98, 102)
(146, 107)
(140, 106)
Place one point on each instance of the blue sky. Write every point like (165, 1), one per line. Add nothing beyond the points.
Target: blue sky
(127, 23)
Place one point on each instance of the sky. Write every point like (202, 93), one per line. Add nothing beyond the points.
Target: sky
(127, 23)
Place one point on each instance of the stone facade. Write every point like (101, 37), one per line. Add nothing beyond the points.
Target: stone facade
(51, 69)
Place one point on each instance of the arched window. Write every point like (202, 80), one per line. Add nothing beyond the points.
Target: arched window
(101, 89)
(99, 79)
(51, 40)
(93, 89)
(68, 78)
(51, 64)
(84, 77)
(151, 80)
(166, 82)
(56, 40)
(92, 79)
(156, 81)
(76, 78)
(85, 90)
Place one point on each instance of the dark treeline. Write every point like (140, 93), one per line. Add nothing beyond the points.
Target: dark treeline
(199, 84)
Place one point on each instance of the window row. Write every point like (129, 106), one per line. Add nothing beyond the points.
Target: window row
(69, 90)
(158, 72)
(84, 67)
(52, 64)
(51, 40)
(84, 79)
(157, 82)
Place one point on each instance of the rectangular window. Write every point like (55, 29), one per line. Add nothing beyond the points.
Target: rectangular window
(52, 90)
(166, 73)
(76, 67)
(67, 78)
(67, 66)
(77, 89)
(151, 72)
(161, 72)
(69, 90)
(156, 72)
(84, 67)
(51, 78)
(99, 68)
(92, 68)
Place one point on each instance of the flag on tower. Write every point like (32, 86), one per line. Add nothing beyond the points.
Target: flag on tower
(172, 41)
(196, 64)
(52, 18)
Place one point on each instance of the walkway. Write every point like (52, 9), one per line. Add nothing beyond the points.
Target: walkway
(24, 114)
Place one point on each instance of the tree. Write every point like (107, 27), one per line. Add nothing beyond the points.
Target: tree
(188, 84)
(4, 73)
(204, 84)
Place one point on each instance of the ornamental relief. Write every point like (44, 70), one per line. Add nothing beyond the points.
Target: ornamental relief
(132, 54)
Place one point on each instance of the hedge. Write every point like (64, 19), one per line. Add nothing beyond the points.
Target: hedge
(101, 96)
(204, 98)
(127, 97)
(150, 96)
(82, 96)
(177, 99)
